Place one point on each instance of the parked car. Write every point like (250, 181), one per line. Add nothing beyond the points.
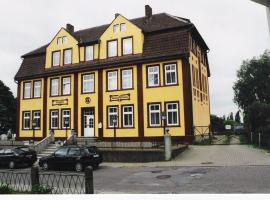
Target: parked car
(70, 157)
(97, 156)
(16, 157)
(29, 152)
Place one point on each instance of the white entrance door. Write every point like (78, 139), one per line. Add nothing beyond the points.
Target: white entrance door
(89, 124)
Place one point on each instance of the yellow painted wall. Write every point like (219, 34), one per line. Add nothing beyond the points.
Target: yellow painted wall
(131, 30)
(60, 133)
(121, 132)
(53, 46)
(201, 114)
(162, 94)
(93, 102)
(30, 105)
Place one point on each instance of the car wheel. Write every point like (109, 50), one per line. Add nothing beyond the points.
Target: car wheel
(11, 165)
(79, 167)
(45, 166)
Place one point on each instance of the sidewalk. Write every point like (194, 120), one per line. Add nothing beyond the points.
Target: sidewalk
(214, 155)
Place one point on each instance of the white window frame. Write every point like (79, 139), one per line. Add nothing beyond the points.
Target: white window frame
(56, 85)
(27, 90)
(65, 115)
(170, 71)
(26, 118)
(37, 89)
(56, 63)
(37, 117)
(89, 53)
(154, 111)
(90, 81)
(112, 54)
(172, 110)
(127, 50)
(127, 113)
(123, 27)
(66, 85)
(54, 117)
(67, 56)
(150, 84)
(127, 79)
(112, 114)
(116, 28)
(112, 78)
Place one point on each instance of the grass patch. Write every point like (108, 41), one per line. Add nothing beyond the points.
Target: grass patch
(36, 189)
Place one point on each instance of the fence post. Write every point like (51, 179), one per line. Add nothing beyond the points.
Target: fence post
(89, 185)
(34, 176)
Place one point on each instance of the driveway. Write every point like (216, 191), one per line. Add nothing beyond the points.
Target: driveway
(214, 155)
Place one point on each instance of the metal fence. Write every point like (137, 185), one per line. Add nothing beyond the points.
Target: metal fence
(57, 182)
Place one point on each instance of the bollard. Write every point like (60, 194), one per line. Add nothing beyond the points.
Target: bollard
(34, 176)
(89, 183)
(168, 146)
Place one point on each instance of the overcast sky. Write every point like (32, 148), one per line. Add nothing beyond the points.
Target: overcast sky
(233, 29)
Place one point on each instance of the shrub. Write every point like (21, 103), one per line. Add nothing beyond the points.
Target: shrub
(39, 189)
(5, 189)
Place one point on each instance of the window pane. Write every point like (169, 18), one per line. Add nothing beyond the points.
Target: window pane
(54, 87)
(88, 83)
(153, 76)
(65, 39)
(37, 88)
(172, 114)
(112, 80)
(170, 71)
(127, 116)
(116, 28)
(61, 152)
(36, 118)
(56, 58)
(27, 90)
(122, 27)
(67, 56)
(89, 53)
(127, 46)
(66, 86)
(54, 119)
(112, 115)
(112, 48)
(127, 79)
(66, 119)
(59, 40)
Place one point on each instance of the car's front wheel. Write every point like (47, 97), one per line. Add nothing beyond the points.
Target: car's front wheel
(11, 165)
(45, 166)
(79, 167)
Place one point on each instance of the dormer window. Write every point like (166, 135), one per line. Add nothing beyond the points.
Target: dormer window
(112, 48)
(56, 58)
(116, 28)
(127, 45)
(67, 56)
(89, 53)
(123, 27)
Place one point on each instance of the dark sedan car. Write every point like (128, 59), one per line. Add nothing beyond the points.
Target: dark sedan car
(32, 154)
(15, 157)
(69, 157)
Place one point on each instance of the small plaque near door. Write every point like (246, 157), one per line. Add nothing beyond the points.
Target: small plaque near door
(87, 100)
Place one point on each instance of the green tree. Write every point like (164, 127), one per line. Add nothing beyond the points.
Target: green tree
(7, 108)
(231, 116)
(252, 91)
(237, 117)
(217, 123)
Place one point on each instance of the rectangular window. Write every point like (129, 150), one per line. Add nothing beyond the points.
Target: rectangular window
(54, 119)
(88, 83)
(27, 90)
(112, 48)
(127, 79)
(154, 115)
(67, 56)
(66, 86)
(123, 27)
(56, 58)
(55, 87)
(116, 28)
(127, 116)
(153, 76)
(89, 53)
(64, 40)
(172, 114)
(65, 119)
(26, 120)
(112, 80)
(112, 117)
(37, 89)
(127, 46)
(36, 119)
(170, 74)
(59, 40)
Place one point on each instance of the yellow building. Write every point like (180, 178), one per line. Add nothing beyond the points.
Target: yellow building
(117, 80)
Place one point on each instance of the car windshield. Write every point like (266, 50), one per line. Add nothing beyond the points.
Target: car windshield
(74, 152)
(61, 152)
(18, 151)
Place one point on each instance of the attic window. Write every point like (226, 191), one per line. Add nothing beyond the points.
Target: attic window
(116, 28)
(62, 40)
(122, 27)
(59, 40)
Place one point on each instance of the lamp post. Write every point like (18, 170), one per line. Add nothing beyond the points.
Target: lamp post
(34, 125)
(114, 126)
(66, 124)
(164, 119)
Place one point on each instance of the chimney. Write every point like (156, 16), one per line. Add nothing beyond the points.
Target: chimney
(148, 11)
(70, 28)
(116, 15)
